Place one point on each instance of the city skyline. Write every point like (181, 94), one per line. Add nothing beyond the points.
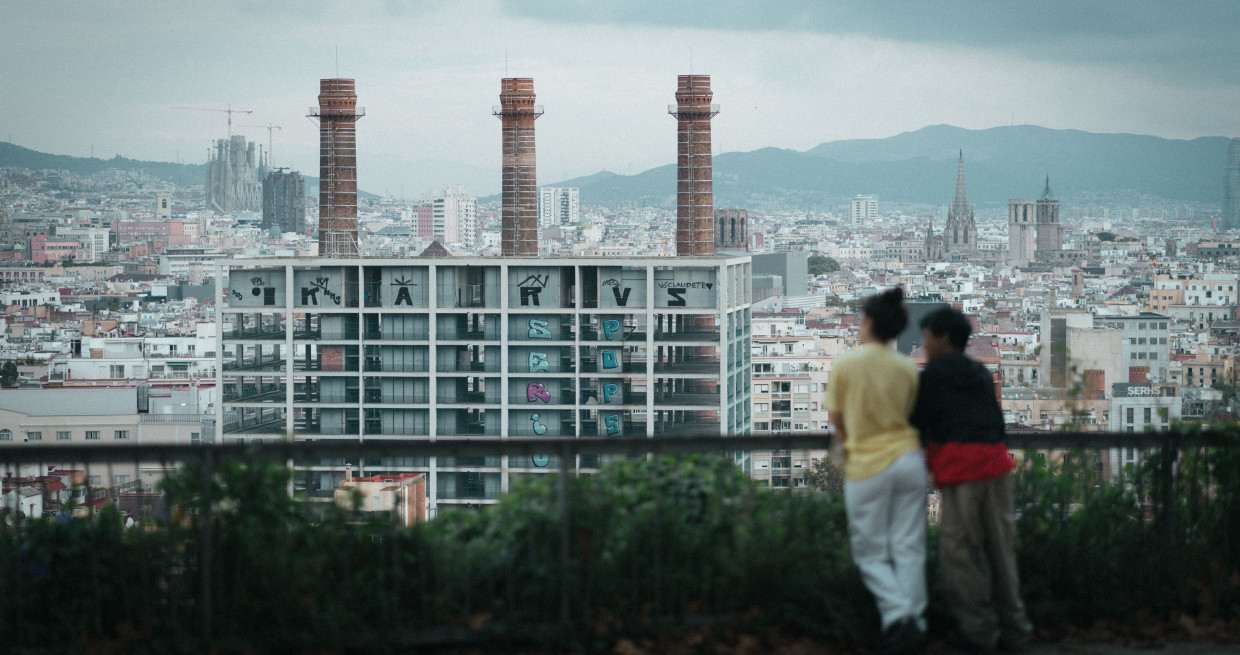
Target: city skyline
(792, 76)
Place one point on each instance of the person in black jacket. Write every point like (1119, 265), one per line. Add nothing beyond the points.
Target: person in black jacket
(961, 428)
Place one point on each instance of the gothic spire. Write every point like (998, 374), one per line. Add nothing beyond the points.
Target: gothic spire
(1046, 193)
(961, 203)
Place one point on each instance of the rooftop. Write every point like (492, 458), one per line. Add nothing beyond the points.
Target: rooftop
(52, 401)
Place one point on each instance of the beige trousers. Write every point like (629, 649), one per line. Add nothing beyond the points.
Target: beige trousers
(977, 535)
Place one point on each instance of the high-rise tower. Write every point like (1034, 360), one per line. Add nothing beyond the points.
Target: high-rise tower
(337, 113)
(519, 210)
(695, 230)
(960, 234)
(1231, 187)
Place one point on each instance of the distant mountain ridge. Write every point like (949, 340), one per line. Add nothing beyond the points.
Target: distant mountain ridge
(920, 167)
(15, 156)
(916, 167)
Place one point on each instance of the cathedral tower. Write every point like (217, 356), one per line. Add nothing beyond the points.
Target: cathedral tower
(960, 234)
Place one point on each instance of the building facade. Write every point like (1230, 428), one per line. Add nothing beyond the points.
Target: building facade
(1231, 188)
(558, 206)
(864, 209)
(732, 230)
(1145, 353)
(233, 175)
(454, 218)
(1050, 232)
(437, 348)
(284, 201)
(1138, 407)
(1022, 231)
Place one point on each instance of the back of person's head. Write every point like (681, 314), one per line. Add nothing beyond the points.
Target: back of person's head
(948, 321)
(888, 316)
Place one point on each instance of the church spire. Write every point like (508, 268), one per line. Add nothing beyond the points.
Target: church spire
(961, 203)
(1046, 193)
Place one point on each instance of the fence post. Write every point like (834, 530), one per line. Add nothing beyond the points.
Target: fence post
(565, 532)
(1165, 482)
(206, 469)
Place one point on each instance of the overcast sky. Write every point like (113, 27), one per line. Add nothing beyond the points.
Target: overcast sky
(789, 74)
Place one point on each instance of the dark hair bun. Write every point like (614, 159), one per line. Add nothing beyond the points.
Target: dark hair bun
(894, 295)
(887, 313)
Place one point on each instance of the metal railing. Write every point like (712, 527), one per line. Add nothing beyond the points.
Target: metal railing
(198, 579)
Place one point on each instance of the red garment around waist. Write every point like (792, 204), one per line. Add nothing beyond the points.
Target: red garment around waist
(956, 462)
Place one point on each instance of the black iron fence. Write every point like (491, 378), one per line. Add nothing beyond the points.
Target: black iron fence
(225, 551)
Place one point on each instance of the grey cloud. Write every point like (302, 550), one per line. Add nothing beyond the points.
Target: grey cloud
(1194, 40)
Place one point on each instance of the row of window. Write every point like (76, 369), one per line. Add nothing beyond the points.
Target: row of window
(96, 480)
(1149, 416)
(1140, 341)
(1142, 356)
(766, 426)
(63, 435)
(785, 387)
(796, 407)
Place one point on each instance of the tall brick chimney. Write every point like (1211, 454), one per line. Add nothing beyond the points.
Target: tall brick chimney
(337, 113)
(695, 215)
(519, 211)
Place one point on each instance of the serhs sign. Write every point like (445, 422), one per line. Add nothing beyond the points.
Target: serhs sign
(620, 287)
(318, 288)
(685, 288)
(255, 288)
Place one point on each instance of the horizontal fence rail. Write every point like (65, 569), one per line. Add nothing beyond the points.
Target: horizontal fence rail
(478, 447)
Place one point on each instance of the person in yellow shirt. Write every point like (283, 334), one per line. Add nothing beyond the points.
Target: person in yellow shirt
(870, 398)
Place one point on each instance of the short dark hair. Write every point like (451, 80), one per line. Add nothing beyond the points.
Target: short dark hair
(950, 322)
(887, 313)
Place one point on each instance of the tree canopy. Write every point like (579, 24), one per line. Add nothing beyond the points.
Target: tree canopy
(818, 264)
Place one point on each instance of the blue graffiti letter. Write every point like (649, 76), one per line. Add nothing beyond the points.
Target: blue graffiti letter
(608, 390)
(538, 363)
(609, 327)
(539, 428)
(538, 329)
(613, 424)
(609, 359)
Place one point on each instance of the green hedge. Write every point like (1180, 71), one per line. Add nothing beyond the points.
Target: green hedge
(666, 542)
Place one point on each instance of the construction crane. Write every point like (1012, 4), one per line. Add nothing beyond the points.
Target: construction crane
(269, 127)
(230, 111)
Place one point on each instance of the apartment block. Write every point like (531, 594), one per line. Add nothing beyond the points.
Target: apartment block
(442, 348)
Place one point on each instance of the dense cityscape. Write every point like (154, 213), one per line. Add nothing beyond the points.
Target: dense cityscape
(422, 348)
(113, 283)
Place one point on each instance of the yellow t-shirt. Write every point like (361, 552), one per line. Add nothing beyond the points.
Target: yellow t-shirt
(874, 387)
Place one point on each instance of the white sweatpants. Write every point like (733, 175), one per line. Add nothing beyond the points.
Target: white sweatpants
(887, 531)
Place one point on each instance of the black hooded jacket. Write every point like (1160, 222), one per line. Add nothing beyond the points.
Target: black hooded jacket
(960, 421)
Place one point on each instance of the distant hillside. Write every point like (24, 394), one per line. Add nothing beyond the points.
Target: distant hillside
(920, 167)
(18, 157)
(12, 156)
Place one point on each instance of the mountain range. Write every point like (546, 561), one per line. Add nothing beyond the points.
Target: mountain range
(916, 167)
(920, 167)
(15, 156)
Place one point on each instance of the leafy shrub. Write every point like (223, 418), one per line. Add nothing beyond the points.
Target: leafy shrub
(652, 544)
